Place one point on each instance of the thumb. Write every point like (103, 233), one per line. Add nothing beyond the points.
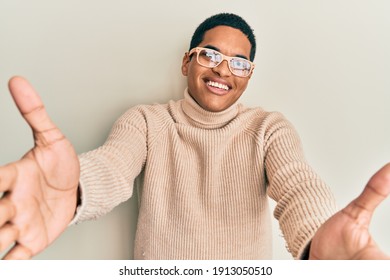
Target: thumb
(30, 105)
(376, 190)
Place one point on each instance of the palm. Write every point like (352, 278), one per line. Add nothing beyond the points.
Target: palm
(346, 234)
(349, 240)
(41, 188)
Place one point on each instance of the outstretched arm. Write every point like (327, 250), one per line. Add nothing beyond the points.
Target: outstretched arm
(40, 190)
(346, 234)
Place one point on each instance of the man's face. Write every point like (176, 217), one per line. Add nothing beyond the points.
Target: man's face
(216, 89)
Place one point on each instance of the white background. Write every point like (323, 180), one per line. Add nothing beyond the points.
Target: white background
(324, 64)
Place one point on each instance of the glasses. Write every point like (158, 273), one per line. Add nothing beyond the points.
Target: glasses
(211, 58)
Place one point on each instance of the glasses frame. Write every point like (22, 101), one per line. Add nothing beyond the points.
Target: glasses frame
(197, 50)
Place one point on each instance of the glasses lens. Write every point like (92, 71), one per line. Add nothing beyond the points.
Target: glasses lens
(240, 67)
(209, 58)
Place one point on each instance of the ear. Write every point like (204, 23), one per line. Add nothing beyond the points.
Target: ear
(185, 64)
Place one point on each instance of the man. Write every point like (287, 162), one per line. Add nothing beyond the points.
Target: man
(207, 164)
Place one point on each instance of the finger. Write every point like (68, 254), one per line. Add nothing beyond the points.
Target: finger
(7, 177)
(8, 235)
(18, 252)
(7, 211)
(376, 190)
(30, 105)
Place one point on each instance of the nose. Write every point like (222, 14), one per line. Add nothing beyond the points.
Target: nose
(222, 69)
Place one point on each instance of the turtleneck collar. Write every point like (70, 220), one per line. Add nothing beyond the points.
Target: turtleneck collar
(202, 118)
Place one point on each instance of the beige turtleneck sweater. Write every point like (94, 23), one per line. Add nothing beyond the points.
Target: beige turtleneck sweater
(205, 180)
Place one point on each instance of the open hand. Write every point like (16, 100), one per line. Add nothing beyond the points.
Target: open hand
(40, 190)
(346, 234)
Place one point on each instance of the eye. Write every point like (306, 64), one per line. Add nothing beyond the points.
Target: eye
(209, 55)
(238, 63)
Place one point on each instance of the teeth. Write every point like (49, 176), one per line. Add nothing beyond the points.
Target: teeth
(218, 85)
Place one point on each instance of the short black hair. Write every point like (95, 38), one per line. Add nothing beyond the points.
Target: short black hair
(227, 19)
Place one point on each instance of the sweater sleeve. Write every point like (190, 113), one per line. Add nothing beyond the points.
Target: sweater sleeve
(303, 201)
(108, 173)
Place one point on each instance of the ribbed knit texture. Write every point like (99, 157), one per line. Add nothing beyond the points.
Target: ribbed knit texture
(205, 179)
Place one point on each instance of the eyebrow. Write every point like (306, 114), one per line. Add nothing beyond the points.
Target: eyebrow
(218, 50)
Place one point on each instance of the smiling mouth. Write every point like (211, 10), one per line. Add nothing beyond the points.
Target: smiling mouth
(217, 85)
